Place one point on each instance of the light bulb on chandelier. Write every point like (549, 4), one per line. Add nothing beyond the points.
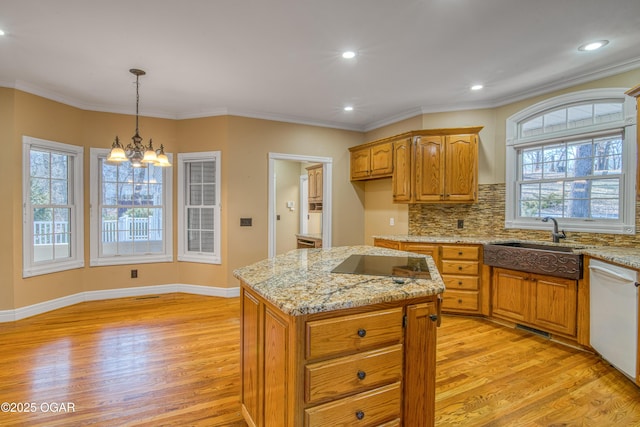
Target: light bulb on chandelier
(137, 153)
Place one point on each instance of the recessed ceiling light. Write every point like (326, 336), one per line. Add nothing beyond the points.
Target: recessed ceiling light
(349, 54)
(476, 87)
(594, 45)
(1, 33)
(348, 108)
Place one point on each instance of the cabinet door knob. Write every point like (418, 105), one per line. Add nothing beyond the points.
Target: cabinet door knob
(362, 333)
(433, 317)
(459, 267)
(361, 375)
(359, 415)
(460, 253)
(460, 282)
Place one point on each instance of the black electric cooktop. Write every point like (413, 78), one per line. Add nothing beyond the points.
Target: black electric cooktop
(380, 265)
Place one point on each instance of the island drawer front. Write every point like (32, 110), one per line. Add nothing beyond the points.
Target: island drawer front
(460, 300)
(349, 374)
(452, 282)
(370, 408)
(461, 252)
(459, 267)
(348, 334)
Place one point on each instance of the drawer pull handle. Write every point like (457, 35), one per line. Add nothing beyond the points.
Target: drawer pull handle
(459, 267)
(361, 375)
(459, 301)
(460, 282)
(460, 253)
(362, 333)
(359, 415)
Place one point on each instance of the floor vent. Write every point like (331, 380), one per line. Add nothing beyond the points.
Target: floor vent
(534, 330)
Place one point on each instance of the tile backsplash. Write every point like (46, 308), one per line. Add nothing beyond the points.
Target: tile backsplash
(486, 218)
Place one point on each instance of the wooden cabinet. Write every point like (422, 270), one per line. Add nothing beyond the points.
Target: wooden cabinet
(635, 92)
(315, 188)
(433, 250)
(364, 366)
(308, 242)
(461, 269)
(436, 166)
(401, 179)
(543, 302)
(389, 244)
(371, 161)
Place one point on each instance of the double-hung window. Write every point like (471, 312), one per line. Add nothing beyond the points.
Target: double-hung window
(573, 158)
(52, 207)
(130, 212)
(199, 207)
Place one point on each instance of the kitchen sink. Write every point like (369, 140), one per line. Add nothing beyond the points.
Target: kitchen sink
(552, 260)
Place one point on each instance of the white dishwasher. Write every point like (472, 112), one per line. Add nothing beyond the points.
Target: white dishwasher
(614, 314)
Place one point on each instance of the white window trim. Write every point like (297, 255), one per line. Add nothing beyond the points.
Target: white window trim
(94, 182)
(183, 253)
(626, 225)
(30, 268)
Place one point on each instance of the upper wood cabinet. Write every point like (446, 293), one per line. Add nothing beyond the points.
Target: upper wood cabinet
(436, 166)
(635, 92)
(372, 160)
(315, 188)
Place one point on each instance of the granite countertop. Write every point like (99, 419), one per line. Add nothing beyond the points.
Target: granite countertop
(628, 257)
(300, 282)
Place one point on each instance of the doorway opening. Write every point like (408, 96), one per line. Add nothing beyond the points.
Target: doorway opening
(288, 207)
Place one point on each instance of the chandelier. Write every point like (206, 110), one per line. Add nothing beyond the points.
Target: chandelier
(137, 153)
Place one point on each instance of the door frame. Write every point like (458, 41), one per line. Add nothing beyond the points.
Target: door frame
(327, 166)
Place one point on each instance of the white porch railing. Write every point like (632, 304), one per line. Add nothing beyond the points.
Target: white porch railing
(124, 229)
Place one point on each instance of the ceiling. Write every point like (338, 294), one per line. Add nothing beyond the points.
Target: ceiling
(281, 59)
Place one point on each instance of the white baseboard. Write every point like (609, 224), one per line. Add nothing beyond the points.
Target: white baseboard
(43, 307)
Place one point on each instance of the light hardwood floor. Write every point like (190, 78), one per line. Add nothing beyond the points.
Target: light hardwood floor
(173, 360)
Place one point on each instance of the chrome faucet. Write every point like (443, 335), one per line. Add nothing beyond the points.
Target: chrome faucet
(555, 234)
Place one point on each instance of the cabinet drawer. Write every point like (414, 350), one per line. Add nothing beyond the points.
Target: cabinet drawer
(371, 408)
(461, 252)
(349, 374)
(459, 267)
(469, 283)
(348, 334)
(460, 300)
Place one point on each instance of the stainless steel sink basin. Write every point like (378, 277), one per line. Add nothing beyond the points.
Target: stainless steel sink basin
(553, 260)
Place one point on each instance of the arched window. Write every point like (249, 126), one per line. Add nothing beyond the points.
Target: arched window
(572, 157)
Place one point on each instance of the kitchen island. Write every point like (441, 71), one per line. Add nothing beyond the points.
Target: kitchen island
(325, 349)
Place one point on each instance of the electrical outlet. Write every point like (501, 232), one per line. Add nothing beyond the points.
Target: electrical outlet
(461, 223)
(392, 221)
(134, 274)
(245, 222)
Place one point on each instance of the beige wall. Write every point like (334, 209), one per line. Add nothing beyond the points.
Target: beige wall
(378, 194)
(244, 144)
(247, 164)
(7, 192)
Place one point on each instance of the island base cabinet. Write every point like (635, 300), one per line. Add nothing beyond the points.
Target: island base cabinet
(420, 365)
(371, 408)
(379, 372)
(265, 357)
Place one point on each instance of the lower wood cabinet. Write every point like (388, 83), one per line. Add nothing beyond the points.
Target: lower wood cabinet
(544, 302)
(368, 366)
(462, 271)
